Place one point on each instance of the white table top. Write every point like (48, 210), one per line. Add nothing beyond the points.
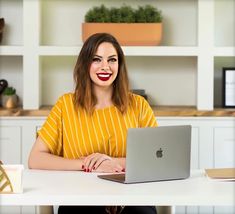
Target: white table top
(42, 187)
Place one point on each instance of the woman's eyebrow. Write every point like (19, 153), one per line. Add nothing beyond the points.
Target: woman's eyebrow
(112, 56)
(97, 56)
(108, 56)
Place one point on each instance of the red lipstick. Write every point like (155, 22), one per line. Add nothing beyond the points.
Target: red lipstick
(104, 76)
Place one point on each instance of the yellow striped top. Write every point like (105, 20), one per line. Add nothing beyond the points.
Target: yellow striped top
(72, 133)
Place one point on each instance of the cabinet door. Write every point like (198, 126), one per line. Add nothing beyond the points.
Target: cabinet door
(224, 147)
(10, 144)
(10, 153)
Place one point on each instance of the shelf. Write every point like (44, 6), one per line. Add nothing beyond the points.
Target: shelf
(61, 22)
(11, 50)
(128, 51)
(160, 51)
(43, 38)
(224, 51)
(59, 50)
(161, 111)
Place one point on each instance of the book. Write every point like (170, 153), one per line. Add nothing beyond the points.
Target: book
(221, 173)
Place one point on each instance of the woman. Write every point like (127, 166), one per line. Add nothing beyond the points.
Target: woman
(86, 130)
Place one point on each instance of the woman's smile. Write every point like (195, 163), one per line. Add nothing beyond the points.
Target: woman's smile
(104, 76)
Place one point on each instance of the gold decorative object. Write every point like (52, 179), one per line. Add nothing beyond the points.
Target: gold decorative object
(10, 101)
(9, 98)
(5, 183)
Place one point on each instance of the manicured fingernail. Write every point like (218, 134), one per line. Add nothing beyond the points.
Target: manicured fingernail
(82, 166)
(123, 170)
(93, 167)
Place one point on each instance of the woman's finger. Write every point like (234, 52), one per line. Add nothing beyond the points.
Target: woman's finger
(100, 161)
(89, 160)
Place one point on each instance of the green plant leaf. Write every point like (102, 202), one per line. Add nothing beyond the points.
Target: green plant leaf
(9, 91)
(124, 14)
(98, 14)
(148, 14)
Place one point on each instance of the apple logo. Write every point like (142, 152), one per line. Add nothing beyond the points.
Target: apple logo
(159, 153)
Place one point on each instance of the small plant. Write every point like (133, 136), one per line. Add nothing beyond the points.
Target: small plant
(98, 14)
(124, 14)
(9, 91)
(148, 14)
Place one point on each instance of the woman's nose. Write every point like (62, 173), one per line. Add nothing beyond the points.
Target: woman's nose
(105, 65)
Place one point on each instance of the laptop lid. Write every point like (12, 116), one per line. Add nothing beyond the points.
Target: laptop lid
(156, 154)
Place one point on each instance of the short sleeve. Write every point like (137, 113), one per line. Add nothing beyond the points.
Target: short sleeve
(147, 118)
(51, 131)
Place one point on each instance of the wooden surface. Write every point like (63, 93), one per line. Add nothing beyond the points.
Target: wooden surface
(187, 111)
(161, 111)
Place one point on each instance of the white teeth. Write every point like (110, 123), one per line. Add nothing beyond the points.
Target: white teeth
(103, 75)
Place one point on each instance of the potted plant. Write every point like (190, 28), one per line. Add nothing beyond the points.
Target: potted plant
(9, 98)
(142, 26)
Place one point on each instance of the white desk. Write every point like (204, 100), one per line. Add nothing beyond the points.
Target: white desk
(79, 188)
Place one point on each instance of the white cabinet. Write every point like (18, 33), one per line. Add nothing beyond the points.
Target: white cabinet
(213, 142)
(17, 136)
(10, 152)
(42, 40)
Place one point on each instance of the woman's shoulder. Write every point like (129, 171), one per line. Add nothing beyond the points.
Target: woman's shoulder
(66, 98)
(137, 98)
(138, 102)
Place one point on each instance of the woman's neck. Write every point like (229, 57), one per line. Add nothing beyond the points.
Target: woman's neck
(104, 97)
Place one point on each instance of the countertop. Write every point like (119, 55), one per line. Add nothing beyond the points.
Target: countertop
(159, 111)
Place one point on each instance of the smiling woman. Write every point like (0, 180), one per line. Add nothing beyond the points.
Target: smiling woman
(86, 130)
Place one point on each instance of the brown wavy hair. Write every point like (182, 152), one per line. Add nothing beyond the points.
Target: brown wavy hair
(84, 95)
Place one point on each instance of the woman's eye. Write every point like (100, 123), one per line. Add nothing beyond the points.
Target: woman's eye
(96, 60)
(113, 60)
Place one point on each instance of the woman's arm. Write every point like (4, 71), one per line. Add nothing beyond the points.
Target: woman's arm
(41, 158)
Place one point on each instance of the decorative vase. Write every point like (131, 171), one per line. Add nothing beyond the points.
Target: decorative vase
(129, 34)
(10, 101)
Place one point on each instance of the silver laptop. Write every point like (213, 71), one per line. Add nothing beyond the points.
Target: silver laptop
(156, 154)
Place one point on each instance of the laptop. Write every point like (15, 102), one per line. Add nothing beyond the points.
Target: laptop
(155, 154)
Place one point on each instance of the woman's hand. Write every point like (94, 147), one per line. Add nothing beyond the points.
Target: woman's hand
(101, 163)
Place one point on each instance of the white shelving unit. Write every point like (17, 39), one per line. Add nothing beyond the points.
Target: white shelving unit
(197, 35)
